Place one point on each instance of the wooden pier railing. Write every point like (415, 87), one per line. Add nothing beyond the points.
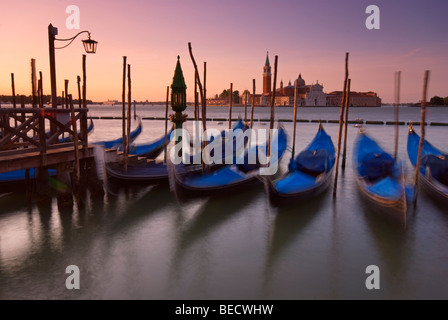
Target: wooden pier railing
(25, 133)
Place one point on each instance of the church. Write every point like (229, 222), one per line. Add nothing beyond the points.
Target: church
(307, 95)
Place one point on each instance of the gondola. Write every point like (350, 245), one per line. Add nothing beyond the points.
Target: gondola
(117, 143)
(149, 150)
(229, 178)
(433, 175)
(154, 171)
(380, 178)
(90, 129)
(308, 175)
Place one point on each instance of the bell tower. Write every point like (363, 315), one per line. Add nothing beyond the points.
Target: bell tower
(267, 76)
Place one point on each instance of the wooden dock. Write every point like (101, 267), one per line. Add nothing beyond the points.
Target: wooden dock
(40, 137)
(47, 138)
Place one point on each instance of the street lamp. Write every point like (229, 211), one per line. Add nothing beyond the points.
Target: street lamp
(178, 99)
(89, 46)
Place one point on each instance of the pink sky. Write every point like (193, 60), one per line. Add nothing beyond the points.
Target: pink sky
(309, 37)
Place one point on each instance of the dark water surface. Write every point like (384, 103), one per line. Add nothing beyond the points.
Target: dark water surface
(139, 242)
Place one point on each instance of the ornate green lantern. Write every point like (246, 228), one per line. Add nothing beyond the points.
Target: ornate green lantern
(178, 98)
(178, 90)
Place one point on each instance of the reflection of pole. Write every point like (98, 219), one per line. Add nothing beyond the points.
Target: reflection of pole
(52, 31)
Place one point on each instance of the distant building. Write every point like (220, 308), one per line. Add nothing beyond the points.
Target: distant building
(307, 95)
(357, 99)
(110, 102)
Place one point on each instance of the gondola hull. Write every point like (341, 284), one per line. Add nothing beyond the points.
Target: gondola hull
(147, 173)
(229, 179)
(300, 184)
(277, 198)
(387, 192)
(429, 184)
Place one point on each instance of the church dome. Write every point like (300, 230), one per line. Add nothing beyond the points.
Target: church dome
(300, 81)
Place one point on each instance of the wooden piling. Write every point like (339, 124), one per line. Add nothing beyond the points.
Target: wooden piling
(271, 126)
(341, 119)
(78, 80)
(84, 82)
(294, 121)
(422, 135)
(347, 106)
(84, 132)
(13, 96)
(245, 108)
(41, 90)
(396, 111)
(166, 123)
(128, 133)
(42, 136)
(67, 101)
(123, 111)
(33, 81)
(204, 116)
(230, 105)
(253, 104)
(196, 113)
(22, 106)
(202, 93)
(75, 138)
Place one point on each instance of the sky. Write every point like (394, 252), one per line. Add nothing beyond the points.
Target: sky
(232, 37)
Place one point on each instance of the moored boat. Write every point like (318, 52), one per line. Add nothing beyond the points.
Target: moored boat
(433, 175)
(240, 175)
(379, 176)
(308, 175)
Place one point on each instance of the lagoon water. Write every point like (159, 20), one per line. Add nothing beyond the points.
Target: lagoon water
(140, 242)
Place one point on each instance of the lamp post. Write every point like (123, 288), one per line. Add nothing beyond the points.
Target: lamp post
(89, 46)
(178, 100)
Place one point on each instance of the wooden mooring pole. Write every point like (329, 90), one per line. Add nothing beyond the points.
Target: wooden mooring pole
(33, 81)
(166, 123)
(396, 111)
(271, 126)
(422, 135)
(294, 121)
(13, 97)
(128, 133)
(341, 120)
(123, 112)
(204, 116)
(347, 106)
(253, 104)
(230, 105)
(78, 80)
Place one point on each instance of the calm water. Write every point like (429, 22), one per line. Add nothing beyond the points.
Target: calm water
(141, 243)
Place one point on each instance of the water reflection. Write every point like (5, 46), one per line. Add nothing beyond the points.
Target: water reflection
(196, 223)
(287, 224)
